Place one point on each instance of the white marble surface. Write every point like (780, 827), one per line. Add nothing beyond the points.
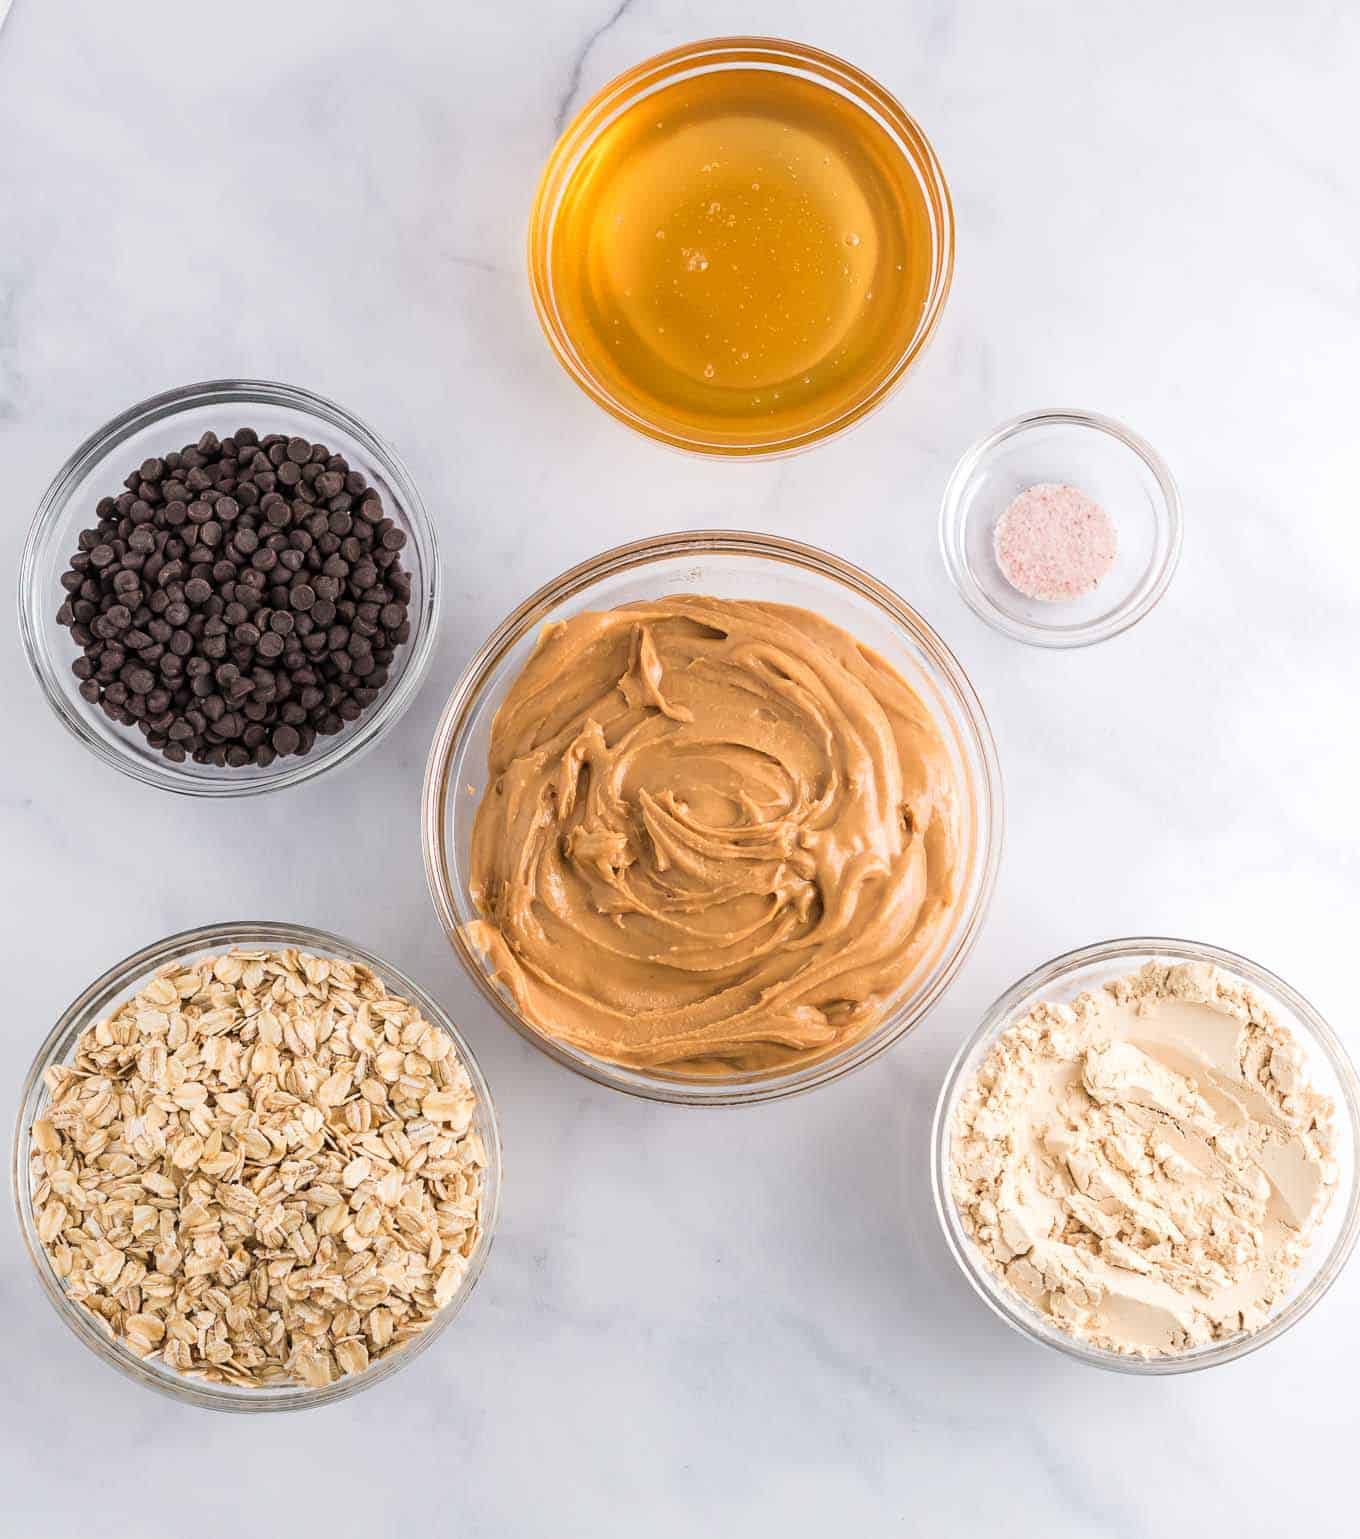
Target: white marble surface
(744, 1322)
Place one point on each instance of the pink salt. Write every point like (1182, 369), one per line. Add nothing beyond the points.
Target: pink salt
(1054, 543)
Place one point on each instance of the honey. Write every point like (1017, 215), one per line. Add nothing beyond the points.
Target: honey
(741, 258)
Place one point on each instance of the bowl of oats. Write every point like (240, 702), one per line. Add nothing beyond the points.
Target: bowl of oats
(256, 1167)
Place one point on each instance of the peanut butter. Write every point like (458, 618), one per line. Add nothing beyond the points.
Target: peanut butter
(718, 837)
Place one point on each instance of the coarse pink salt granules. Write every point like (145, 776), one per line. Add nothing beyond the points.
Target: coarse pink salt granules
(1054, 543)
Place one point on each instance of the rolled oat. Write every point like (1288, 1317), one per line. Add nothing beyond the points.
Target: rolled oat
(262, 1169)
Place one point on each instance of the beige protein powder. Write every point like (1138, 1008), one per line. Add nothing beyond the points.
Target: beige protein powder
(1146, 1166)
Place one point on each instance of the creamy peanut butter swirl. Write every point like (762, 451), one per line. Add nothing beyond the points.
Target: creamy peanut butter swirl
(718, 836)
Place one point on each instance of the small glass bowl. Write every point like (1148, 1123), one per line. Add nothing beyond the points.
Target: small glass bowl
(153, 428)
(701, 59)
(1100, 457)
(730, 564)
(97, 1002)
(1078, 972)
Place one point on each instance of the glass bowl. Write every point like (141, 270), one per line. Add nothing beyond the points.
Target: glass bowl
(580, 142)
(1100, 457)
(730, 565)
(1077, 972)
(94, 1004)
(155, 427)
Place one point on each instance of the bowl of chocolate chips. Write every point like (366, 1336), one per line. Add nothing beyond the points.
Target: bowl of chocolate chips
(230, 588)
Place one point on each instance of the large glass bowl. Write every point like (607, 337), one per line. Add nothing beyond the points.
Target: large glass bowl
(579, 145)
(726, 565)
(1079, 972)
(154, 428)
(98, 1001)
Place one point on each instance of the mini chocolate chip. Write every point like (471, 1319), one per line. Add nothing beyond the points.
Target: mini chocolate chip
(203, 533)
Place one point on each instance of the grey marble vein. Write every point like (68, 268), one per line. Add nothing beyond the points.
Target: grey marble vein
(578, 63)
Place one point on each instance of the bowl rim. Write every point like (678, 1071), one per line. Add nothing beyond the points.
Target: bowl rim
(1001, 1013)
(100, 445)
(1139, 604)
(113, 986)
(972, 727)
(704, 56)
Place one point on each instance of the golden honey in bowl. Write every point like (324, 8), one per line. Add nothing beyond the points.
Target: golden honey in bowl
(744, 258)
